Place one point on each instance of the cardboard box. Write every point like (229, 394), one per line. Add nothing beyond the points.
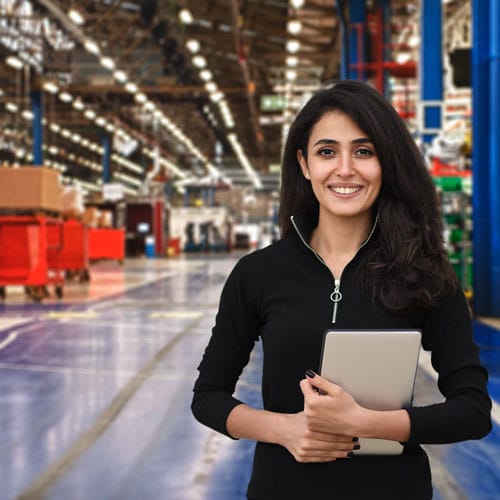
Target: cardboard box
(30, 188)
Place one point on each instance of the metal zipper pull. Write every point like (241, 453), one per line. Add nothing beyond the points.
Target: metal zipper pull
(336, 297)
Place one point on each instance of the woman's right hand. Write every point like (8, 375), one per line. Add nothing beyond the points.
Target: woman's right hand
(311, 446)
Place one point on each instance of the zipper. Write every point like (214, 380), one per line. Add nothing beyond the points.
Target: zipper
(336, 295)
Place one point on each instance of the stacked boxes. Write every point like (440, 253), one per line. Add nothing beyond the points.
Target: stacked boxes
(30, 189)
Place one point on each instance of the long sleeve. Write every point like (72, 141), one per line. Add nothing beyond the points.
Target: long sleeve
(465, 413)
(233, 337)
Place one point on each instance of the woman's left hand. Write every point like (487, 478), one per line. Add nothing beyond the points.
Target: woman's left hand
(328, 408)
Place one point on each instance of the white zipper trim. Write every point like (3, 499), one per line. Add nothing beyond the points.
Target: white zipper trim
(336, 295)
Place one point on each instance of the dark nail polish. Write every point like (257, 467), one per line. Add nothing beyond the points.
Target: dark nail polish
(356, 447)
(350, 454)
(355, 439)
(310, 374)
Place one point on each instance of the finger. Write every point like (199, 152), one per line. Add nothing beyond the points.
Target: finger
(320, 383)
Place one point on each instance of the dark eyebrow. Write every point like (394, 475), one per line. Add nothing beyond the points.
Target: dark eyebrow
(360, 140)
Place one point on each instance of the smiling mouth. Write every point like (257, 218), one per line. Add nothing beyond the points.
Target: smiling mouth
(345, 190)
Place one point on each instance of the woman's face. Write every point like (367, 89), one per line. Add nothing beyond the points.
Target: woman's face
(342, 166)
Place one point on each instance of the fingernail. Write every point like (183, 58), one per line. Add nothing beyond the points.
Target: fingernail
(310, 374)
(355, 439)
(356, 447)
(350, 454)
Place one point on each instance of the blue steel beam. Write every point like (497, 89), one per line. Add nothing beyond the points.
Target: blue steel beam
(486, 156)
(431, 67)
(106, 157)
(357, 39)
(37, 126)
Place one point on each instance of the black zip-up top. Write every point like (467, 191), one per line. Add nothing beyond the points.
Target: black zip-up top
(283, 296)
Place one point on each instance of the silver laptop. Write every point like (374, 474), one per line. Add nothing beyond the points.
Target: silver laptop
(378, 368)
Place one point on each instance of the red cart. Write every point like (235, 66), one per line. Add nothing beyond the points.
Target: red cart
(107, 243)
(30, 247)
(75, 250)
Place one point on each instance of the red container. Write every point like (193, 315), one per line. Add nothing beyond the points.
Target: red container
(30, 248)
(106, 243)
(75, 251)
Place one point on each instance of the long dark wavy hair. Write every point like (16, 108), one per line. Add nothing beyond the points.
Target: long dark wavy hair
(407, 266)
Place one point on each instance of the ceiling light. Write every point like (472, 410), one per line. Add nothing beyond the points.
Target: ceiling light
(78, 104)
(185, 16)
(131, 87)
(50, 87)
(14, 62)
(292, 46)
(211, 87)
(206, 75)
(65, 97)
(90, 114)
(141, 98)
(199, 61)
(108, 63)
(294, 26)
(193, 45)
(120, 76)
(291, 75)
(12, 107)
(292, 61)
(27, 114)
(100, 121)
(91, 46)
(297, 4)
(76, 17)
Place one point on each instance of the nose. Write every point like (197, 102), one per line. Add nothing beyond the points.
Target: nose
(344, 167)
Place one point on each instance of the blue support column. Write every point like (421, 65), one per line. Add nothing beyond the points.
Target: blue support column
(385, 6)
(37, 126)
(344, 45)
(486, 156)
(357, 38)
(431, 67)
(106, 157)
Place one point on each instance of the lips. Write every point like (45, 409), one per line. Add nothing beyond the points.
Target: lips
(345, 190)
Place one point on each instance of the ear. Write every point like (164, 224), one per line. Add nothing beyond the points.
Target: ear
(303, 164)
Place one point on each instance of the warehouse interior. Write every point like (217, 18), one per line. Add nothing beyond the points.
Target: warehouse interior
(140, 149)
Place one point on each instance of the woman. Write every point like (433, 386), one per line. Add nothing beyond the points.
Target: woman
(359, 218)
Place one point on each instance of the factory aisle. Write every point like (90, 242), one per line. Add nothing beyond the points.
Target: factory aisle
(95, 391)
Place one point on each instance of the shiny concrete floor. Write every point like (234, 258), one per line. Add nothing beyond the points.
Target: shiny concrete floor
(95, 391)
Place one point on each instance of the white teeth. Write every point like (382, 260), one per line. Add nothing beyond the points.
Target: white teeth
(346, 190)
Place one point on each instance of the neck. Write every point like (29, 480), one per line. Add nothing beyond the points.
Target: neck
(340, 237)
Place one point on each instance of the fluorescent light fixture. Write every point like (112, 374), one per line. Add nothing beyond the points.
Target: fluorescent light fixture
(108, 63)
(76, 17)
(91, 46)
(50, 87)
(131, 87)
(292, 61)
(199, 61)
(120, 76)
(291, 75)
(297, 4)
(78, 104)
(206, 75)
(65, 97)
(27, 114)
(12, 107)
(141, 98)
(292, 46)
(211, 87)
(185, 16)
(14, 62)
(193, 45)
(90, 114)
(294, 27)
